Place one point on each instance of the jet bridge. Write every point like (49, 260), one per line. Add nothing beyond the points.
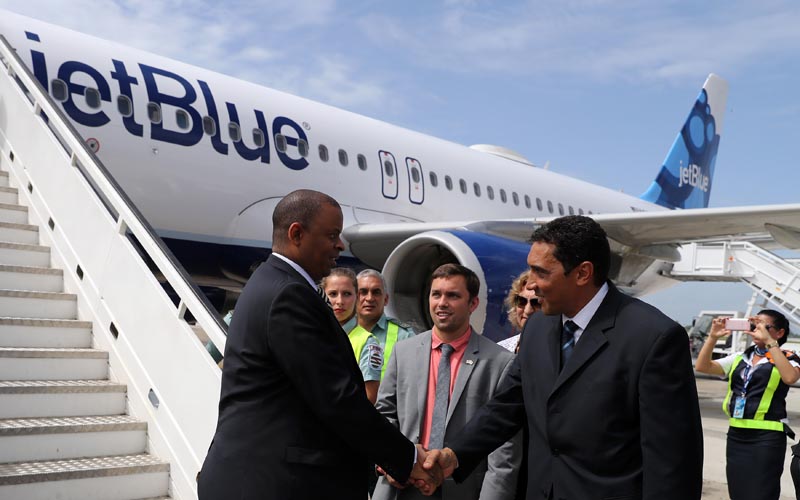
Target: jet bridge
(105, 390)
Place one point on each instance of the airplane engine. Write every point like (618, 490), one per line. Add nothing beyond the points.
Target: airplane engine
(496, 261)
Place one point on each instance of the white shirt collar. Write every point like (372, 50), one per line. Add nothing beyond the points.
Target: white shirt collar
(586, 314)
(297, 268)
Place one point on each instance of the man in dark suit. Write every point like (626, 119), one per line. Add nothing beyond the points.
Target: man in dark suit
(294, 421)
(603, 380)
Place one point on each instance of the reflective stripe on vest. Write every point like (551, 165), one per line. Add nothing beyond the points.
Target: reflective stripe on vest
(757, 422)
(391, 340)
(358, 339)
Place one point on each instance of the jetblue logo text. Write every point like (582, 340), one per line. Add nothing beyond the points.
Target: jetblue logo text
(693, 176)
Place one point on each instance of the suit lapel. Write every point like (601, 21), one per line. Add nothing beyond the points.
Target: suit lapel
(592, 339)
(468, 362)
(421, 367)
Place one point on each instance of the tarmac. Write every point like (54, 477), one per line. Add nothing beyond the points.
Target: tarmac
(711, 392)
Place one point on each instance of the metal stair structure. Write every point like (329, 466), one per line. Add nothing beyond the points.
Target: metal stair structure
(769, 275)
(106, 392)
(63, 428)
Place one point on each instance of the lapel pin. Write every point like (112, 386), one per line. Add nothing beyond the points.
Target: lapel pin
(469, 362)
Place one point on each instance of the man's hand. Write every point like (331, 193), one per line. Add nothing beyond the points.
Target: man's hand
(425, 479)
(445, 460)
(390, 479)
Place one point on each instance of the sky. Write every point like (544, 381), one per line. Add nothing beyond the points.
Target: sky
(597, 89)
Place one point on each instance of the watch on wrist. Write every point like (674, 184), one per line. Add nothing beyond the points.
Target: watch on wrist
(771, 344)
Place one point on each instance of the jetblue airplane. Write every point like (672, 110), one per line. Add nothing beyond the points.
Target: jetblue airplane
(206, 157)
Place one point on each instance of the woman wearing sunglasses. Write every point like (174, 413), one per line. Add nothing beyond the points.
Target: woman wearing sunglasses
(521, 304)
(758, 381)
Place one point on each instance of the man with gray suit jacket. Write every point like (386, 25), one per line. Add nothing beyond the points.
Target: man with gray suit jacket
(436, 381)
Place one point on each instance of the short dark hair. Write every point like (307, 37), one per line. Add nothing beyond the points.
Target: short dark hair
(779, 321)
(577, 239)
(448, 270)
(298, 206)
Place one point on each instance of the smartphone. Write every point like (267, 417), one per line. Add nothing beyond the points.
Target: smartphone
(741, 324)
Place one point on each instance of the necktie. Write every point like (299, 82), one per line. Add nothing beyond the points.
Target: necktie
(323, 296)
(567, 341)
(442, 399)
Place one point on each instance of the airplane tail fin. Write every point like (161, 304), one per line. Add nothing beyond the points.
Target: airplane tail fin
(686, 177)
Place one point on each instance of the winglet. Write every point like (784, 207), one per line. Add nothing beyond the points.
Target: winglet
(686, 177)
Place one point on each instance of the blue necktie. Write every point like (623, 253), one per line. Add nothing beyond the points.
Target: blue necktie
(442, 400)
(567, 341)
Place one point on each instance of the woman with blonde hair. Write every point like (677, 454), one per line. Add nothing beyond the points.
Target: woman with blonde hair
(521, 304)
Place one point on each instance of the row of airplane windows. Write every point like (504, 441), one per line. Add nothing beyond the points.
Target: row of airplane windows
(182, 119)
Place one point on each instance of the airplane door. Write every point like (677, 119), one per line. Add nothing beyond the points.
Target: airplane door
(416, 181)
(388, 174)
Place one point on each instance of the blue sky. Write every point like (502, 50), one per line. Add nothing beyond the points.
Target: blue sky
(597, 88)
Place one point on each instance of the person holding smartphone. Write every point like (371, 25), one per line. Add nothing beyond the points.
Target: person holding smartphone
(758, 381)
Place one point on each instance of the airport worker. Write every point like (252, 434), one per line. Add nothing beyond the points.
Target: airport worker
(795, 469)
(370, 316)
(758, 382)
(521, 303)
(436, 380)
(603, 380)
(340, 287)
(292, 412)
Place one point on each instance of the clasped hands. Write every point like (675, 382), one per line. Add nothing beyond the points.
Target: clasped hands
(432, 467)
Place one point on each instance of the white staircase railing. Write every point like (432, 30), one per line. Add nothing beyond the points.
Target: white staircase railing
(773, 277)
(102, 242)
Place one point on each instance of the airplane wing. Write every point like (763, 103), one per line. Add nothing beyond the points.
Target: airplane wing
(372, 243)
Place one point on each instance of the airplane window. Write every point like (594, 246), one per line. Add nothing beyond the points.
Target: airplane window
(527, 201)
(362, 164)
(580, 211)
(343, 157)
(59, 90)
(539, 203)
(302, 147)
(258, 137)
(182, 119)
(154, 112)
(209, 125)
(234, 132)
(323, 152)
(477, 188)
(571, 210)
(515, 197)
(280, 142)
(124, 104)
(388, 167)
(590, 212)
(560, 209)
(463, 185)
(550, 206)
(503, 196)
(434, 179)
(92, 97)
(448, 182)
(415, 175)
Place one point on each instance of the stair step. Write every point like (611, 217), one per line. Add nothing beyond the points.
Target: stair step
(43, 363)
(11, 212)
(18, 254)
(125, 477)
(60, 398)
(9, 195)
(28, 439)
(41, 305)
(27, 332)
(19, 233)
(33, 279)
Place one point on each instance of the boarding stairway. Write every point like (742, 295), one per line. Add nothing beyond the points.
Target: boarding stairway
(106, 392)
(769, 275)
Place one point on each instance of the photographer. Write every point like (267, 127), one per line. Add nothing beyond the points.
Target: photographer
(759, 380)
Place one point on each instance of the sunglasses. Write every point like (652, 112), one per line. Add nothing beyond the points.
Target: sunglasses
(521, 301)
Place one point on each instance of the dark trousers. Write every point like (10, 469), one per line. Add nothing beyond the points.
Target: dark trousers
(755, 463)
(795, 469)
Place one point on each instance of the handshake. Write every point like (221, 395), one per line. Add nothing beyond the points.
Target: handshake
(431, 469)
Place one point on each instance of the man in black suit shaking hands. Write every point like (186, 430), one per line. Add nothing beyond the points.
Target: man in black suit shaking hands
(604, 382)
(294, 421)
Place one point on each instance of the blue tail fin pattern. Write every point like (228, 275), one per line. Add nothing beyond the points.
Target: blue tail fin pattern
(686, 177)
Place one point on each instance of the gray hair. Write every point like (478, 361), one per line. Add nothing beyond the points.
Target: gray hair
(371, 273)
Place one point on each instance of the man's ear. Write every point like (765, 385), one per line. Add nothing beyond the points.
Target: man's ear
(295, 233)
(473, 304)
(584, 273)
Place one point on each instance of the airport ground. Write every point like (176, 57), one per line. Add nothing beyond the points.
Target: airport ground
(715, 426)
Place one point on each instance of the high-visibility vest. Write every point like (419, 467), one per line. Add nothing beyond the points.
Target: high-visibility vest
(358, 339)
(762, 409)
(391, 340)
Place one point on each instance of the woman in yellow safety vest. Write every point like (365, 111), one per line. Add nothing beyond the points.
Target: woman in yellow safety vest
(758, 381)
